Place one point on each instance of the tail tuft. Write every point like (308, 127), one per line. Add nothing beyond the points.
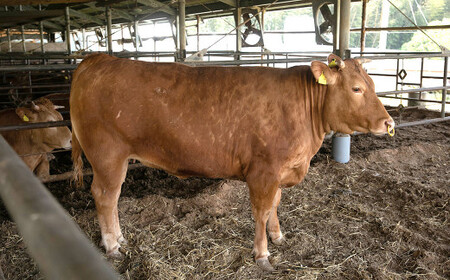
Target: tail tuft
(77, 161)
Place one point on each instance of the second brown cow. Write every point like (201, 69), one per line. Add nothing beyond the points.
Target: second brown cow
(33, 145)
(257, 124)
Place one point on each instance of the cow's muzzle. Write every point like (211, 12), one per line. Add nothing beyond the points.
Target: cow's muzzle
(390, 124)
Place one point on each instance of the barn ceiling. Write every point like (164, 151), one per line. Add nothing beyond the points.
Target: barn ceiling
(85, 14)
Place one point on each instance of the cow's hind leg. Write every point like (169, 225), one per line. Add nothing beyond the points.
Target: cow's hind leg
(108, 178)
(262, 195)
(273, 224)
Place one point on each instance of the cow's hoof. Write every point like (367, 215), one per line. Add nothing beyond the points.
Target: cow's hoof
(122, 241)
(264, 264)
(279, 241)
(115, 254)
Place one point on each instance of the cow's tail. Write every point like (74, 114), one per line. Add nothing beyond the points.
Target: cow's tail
(77, 160)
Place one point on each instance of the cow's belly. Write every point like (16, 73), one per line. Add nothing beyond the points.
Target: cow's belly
(189, 160)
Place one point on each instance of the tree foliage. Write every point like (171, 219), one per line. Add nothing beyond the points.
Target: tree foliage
(420, 42)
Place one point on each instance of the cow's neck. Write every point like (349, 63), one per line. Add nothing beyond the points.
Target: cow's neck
(314, 100)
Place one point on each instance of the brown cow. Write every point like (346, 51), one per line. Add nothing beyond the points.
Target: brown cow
(257, 124)
(34, 144)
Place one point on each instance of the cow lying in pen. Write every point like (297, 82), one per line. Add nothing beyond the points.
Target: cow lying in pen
(34, 144)
(257, 124)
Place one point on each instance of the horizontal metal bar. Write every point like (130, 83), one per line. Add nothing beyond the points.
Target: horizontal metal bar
(434, 77)
(34, 125)
(403, 56)
(384, 75)
(16, 68)
(411, 90)
(415, 99)
(253, 61)
(36, 86)
(86, 172)
(401, 28)
(55, 242)
(421, 122)
(408, 84)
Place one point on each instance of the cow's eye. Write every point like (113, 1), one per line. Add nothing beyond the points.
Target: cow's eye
(356, 89)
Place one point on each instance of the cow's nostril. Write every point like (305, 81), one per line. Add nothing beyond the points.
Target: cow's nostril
(390, 123)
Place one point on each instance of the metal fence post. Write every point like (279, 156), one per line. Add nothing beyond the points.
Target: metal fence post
(444, 90)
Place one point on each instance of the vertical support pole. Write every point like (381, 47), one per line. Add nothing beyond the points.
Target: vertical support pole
(67, 16)
(198, 33)
(341, 142)
(41, 33)
(396, 75)
(363, 25)
(384, 23)
(182, 30)
(22, 29)
(121, 36)
(344, 28)
(336, 29)
(136, 38)
(8, 34)
(109, 29)
(175, 32)
(444, 84)
(83, 34)
(237, 20)
(24, 46)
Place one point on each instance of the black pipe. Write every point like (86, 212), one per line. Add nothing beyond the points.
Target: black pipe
(34, 125)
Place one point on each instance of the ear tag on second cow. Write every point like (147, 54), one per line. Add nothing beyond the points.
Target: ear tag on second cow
(332, 63)
(322, 80)
(25, 118)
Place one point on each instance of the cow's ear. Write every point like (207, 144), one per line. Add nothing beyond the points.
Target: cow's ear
(25, 114)
(335, 61)
(322, 73)
(43, 102)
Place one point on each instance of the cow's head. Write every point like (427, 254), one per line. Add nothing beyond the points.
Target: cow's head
(350, 103)
(43, 110)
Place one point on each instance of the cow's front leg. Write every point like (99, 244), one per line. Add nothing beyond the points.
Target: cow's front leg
(106, 191)
(43, 168)
(273, 225)
(262, 198)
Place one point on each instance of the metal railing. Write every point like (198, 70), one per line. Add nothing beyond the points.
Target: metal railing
(55, 242)
(264, 59)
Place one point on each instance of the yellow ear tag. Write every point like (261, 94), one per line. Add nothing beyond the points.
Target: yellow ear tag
(322, 80)
(332, 63)
(25, 118)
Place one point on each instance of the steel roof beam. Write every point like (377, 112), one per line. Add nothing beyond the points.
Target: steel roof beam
(158, 6)
(122, 14)
(81, 15)
(230, 3)
(37, 2)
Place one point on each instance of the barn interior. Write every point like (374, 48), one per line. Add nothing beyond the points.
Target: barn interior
(43, 41)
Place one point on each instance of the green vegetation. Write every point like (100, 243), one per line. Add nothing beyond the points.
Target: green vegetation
(420, 42)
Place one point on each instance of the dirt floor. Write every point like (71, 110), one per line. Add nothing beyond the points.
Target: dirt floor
(384, 215)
